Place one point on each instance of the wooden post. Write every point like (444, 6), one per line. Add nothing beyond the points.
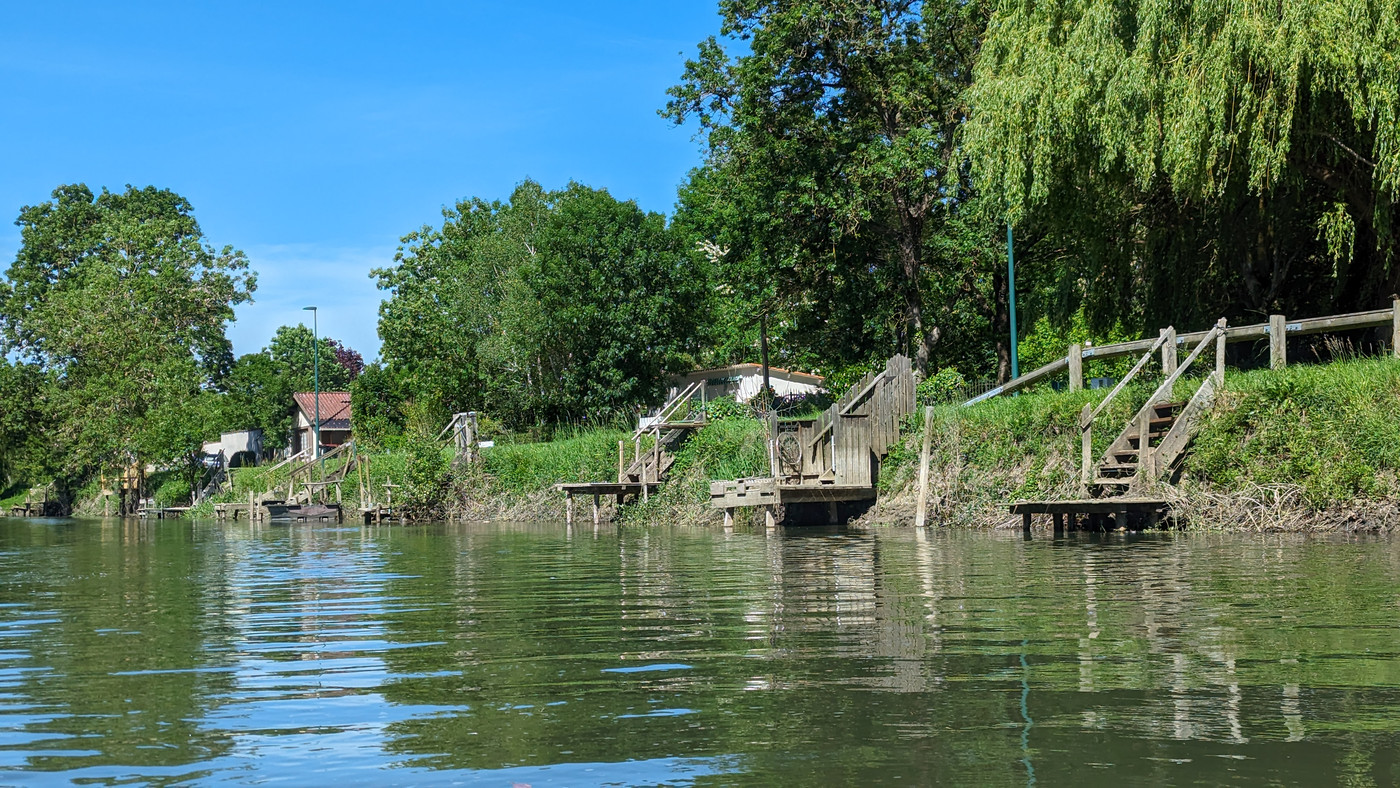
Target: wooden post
(1086, 447)
(597, 512)
(1395, 326)
(1076, 367)
(621, 460)
(568, 508)
(770, 518)
(1146, 470)
(1059, 524)
(1026, 524)
(656, 456)
(1278, 342)
(1220, 351)
(1169, 352)
(728, 519)
(921, 518)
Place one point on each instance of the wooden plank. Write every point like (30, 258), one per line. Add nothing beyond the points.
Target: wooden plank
(1174, 444)
(1278, 342)
(1088, 506)
(1168, 338)
(921, 516)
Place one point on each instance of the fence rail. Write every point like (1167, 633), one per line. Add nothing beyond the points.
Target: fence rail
(1277, 330)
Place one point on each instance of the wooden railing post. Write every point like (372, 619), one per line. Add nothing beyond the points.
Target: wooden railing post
(1086, 447)
(1168, 351)
(1220, 350)
(621, 460)
(1395, 326)
(1278, 342)
(1076, 367)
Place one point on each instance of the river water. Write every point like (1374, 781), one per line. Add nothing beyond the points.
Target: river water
(175, 653)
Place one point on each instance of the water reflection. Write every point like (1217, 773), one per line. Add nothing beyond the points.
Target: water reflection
(537, 654)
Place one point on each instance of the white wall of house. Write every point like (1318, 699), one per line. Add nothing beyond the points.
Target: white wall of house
(743, 382)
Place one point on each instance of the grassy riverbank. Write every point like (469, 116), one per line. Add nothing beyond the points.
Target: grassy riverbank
(1303, 448)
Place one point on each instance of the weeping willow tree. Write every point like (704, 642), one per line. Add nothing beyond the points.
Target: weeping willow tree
(1196, 157)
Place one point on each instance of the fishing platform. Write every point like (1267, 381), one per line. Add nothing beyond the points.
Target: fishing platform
(832, 459)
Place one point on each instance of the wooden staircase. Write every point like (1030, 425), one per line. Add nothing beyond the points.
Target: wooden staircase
(1122, 466)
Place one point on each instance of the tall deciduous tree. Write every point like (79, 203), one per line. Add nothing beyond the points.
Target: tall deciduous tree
(841, 117)
(1195, 158)
(119, 298)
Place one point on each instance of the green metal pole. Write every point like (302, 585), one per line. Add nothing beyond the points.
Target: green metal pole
(1011, 292)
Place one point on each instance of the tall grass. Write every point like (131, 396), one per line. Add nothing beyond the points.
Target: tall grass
(1333, 429)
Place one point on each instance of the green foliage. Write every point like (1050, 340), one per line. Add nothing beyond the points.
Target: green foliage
(376, 400)
(117, 300)
(1180, 158)
(832, 158)
(425, 475)
(725, 408)
(554, 307)
(945, 385)
(1331, 429)
(291, 351)
(1047, 342)
(585, 456)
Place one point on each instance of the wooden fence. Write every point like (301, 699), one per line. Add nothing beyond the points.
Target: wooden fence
(1277, 330)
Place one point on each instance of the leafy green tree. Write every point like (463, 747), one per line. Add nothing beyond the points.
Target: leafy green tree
(835, 131)
(25, 452)
(554, 306)
(291, 352)
(117, 296)
(1193, 159)
(258, 395)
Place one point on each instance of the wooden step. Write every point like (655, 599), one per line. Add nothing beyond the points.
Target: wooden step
(1123, 468)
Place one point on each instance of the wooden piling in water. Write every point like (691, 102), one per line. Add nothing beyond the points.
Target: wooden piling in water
(921, 518)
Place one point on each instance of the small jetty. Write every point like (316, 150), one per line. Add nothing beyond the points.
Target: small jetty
(832, 459)
(1125, 486)
(643, 475)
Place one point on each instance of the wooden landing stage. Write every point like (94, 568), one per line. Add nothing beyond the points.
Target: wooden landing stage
(598, 490)
(1094, 513)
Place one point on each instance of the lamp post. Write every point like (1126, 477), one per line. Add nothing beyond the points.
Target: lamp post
(316, 381)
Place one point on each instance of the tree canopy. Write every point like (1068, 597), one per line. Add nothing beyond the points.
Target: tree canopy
(117, 301)
(1197, 158)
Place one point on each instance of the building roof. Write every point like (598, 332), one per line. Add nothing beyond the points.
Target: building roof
(335, 408)
(755, 369)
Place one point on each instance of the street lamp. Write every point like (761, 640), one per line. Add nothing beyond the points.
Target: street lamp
(1011, 292)
(316, 379)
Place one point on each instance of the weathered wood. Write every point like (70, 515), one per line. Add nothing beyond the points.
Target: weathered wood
(1187, 423)
(1395, 327)
(1032, 377)
(597, 510)
(921, 517)
(621, 460)
(770, 519)
(1168, 336)
(1076, 367)
(1278, 342)
(1144, 425)
(1086, 447)
(568, 508)
(1220, 349)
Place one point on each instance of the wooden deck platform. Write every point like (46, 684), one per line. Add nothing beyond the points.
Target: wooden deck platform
(598, 490)
(1094, 513)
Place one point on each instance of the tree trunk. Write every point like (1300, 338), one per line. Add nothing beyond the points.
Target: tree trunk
(1001, 323)
(910, 248)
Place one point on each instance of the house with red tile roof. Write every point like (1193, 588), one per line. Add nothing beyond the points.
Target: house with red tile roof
(335, 419)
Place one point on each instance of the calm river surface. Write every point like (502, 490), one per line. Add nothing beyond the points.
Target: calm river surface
(176, 653)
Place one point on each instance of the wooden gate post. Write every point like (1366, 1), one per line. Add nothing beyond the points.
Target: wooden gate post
(1278, 342)
(921, 518)
(621, 460)
(1169, 352)
(1076, 367)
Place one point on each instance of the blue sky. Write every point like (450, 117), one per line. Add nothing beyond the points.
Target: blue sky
(314, 135)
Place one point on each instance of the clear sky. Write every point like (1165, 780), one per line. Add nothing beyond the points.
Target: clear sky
(314, 135)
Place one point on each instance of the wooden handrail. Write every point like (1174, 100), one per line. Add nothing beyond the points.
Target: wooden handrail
(1375, 318)
(1122, 384)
